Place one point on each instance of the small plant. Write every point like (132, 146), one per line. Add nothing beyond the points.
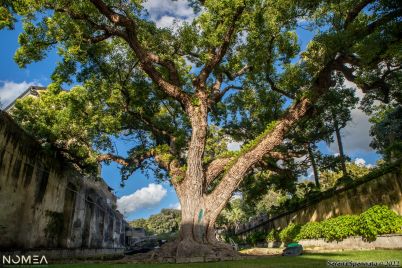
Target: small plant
(288, 234)
(273, 236)
(255, 237)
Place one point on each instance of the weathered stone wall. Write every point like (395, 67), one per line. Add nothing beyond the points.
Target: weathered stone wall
(385, 189)
(46, 203)
(392, 241)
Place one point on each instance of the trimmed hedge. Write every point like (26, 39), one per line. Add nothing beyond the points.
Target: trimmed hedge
(375, 221)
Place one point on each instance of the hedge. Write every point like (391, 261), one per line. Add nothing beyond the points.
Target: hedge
(375, 221)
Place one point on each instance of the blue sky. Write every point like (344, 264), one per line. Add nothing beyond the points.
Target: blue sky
(142, 195)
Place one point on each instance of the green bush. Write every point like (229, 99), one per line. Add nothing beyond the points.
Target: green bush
(273, 236)
(339, 228)
(288, 234)
(379, 220)
(255, 237)
(310, 230)
(375, 221)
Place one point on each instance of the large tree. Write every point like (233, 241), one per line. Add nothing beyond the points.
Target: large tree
(136, 80)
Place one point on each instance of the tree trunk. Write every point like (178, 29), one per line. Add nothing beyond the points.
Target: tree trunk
(197, 237)
(200, 209)
(340, 146)
(314, 165)
(199, 212)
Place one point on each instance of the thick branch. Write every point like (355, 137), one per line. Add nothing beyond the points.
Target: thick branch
(112, 16)
(111, 157)
(355, 12)
(379, 84)
(215, 168)
(236, 172)
(275, 168)
(146, 58)
(100, 38)
(134, 162)
(382, 21)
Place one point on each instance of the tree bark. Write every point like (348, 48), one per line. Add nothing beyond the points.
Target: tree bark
(314, 165)
(340, 147)
(197, 232)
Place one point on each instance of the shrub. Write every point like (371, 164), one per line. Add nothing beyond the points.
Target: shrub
(339, 228)
(310, 230)
(255, 237)
(379, 220)
(288, 234)
(273, 236)
(374, 221)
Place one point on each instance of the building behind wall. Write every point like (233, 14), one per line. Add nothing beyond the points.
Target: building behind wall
(46, 203)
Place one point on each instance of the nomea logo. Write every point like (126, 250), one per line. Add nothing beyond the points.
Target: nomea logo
(23, 259)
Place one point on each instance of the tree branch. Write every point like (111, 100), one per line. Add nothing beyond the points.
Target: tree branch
(215, 168)
(383, 20)
(219, 95)
(285, 155)
(100, 38)
(277, 89)
(355, 12)
(220, 52)
(112, 16)
(111, 157)
(242, 71)
(235, 173)
(146, 58)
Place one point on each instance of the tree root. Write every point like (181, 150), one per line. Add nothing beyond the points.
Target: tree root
(188, 251)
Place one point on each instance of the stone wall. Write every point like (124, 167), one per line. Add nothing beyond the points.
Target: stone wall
(385, 189)
(392, 241)
(46, 203)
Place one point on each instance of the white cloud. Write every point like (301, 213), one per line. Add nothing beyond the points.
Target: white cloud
(165, 12)
(360, 162)
(142, 198)
(175, 205)
(234, 145)
(355, 136)
(10, 90)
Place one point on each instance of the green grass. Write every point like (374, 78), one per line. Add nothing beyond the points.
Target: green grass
(307, 260)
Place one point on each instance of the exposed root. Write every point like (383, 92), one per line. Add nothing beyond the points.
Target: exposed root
(189, 251)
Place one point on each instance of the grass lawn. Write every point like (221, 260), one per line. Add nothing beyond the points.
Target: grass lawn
(309, 260)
